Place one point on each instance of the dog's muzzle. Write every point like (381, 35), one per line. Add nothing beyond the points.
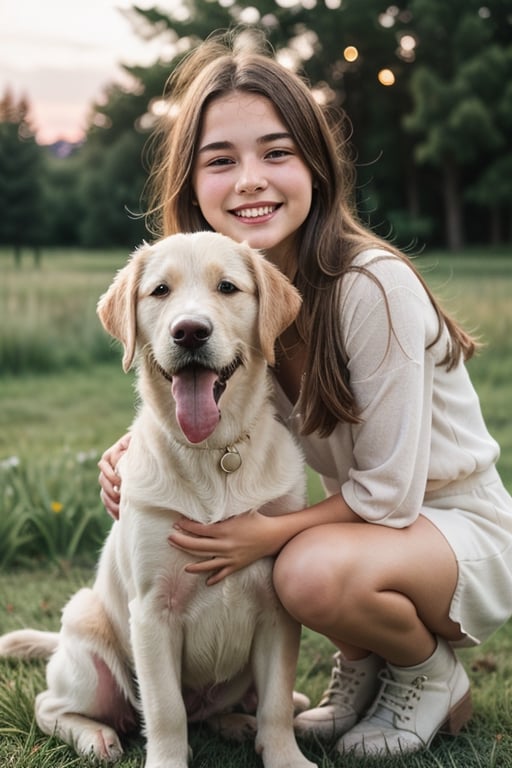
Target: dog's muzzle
(197, 390)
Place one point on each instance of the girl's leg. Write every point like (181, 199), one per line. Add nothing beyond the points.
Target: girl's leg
(372, 590)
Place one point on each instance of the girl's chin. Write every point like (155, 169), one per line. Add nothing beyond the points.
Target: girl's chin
(261, 241)
(258, 241)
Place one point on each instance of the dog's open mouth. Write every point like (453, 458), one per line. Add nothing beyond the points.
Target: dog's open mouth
(197, 391)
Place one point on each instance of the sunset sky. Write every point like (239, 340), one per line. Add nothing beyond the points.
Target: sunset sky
(61, 54)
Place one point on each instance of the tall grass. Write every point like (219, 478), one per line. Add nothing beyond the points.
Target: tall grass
(47, 314)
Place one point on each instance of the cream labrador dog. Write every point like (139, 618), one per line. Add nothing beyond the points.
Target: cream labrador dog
(200, 314)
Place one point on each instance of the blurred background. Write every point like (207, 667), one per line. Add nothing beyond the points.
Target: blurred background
(426, 85)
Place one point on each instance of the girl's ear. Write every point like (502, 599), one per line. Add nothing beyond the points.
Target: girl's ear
(117, 308)
(279, 301)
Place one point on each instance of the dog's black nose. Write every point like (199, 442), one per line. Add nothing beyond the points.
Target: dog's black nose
(191, 332)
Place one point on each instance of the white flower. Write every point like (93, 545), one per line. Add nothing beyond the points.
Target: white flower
(10, 462)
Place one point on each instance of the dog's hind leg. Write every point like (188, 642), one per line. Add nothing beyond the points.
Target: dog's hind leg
(74, 709)
(88, 737)
(89, 697)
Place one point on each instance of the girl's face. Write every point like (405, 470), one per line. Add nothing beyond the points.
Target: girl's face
(250, 180)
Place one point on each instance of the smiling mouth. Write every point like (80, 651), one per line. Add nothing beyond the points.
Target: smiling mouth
(255, 212)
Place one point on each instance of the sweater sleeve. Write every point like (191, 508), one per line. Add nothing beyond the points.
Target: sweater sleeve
(387, 329)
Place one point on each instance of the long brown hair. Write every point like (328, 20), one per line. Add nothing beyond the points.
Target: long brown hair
(332, 234)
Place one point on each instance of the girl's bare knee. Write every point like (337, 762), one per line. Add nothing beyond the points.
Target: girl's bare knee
(308, 582)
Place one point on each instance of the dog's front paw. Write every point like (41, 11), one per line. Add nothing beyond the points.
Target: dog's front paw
(282, 752)
(297, 760)
(100, 744)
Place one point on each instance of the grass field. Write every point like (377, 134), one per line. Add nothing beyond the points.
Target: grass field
(63, 399)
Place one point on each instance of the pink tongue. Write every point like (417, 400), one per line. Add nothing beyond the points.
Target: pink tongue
(196, 409)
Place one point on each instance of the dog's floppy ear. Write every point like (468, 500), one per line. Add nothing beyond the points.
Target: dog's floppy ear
(117, 308)
(279, 301)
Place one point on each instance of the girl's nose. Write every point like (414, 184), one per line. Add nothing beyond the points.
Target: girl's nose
(251, 179)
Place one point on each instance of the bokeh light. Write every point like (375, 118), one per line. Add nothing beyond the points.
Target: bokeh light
(350, 53)
(386, 77)
(408, 42)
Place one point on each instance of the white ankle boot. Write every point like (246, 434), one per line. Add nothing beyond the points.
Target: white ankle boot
(413, 704)
(353, 687)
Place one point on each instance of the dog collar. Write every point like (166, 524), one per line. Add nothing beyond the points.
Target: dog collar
(231, 458)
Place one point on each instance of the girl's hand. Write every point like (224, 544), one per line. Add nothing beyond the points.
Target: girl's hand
(108, 479)
(229, 545)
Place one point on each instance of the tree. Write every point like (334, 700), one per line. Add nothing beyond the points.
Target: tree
(64, 207)
(110, 190)
(462, 75)
(21, 163)
(112, 177)
(491, 188)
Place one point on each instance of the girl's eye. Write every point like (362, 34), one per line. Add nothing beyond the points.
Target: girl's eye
(219, 161)
(161, 290)
(276, 154)
(225, 286)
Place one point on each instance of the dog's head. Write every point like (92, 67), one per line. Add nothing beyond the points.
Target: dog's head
(196, 307)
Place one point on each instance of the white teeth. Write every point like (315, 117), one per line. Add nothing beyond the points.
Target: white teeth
(252, 213)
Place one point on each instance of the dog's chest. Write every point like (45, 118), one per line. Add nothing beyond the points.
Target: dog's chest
(218, 622)
(176, 591)
(188, 599)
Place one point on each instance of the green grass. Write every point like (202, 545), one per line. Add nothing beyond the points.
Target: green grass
(73, 410)
(47, 315)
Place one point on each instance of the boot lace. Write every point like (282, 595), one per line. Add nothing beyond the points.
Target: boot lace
(343, 683)
(397, 698)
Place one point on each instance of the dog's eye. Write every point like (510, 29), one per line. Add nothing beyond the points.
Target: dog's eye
(161, 290)
(225, 286)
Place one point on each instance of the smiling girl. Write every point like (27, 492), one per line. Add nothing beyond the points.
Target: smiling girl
(410, 553)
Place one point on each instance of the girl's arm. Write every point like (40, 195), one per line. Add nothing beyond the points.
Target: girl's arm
(108, 479)
(233, 544)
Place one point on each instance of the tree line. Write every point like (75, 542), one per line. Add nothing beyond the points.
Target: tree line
(426, 86)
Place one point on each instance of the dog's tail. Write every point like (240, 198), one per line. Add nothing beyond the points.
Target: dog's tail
(29, 644)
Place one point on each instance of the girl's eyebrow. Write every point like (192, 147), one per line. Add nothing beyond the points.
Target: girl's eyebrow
(215, 145)
(266, 139)
(270, 137)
